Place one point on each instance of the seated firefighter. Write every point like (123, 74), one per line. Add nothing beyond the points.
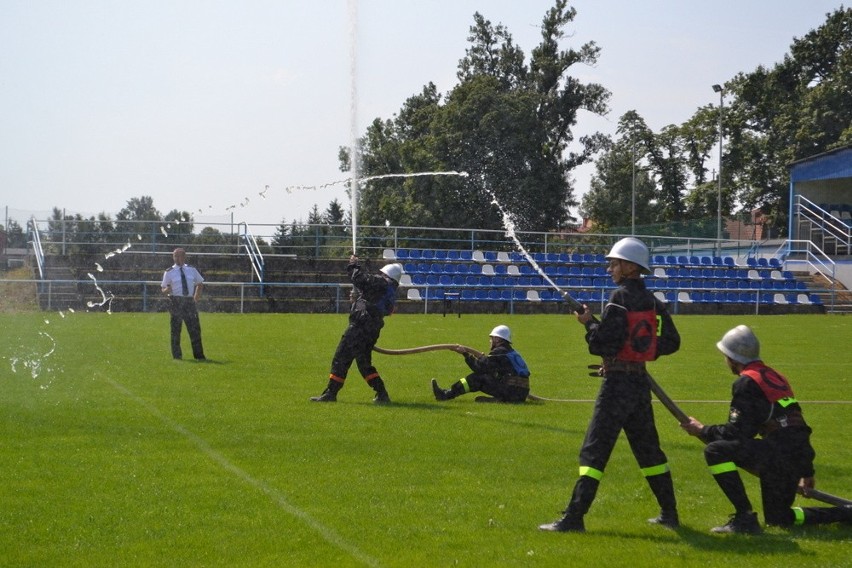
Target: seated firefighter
(502, 373)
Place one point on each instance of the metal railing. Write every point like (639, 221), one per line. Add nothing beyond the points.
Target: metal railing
(38, 251)
(816, 260)
(254, 254)
(333, 241)
(830, 226)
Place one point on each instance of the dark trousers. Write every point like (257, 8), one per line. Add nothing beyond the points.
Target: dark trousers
(356, 344)
(623, 403)
(778, 466)
(183, 310)
(493, 386)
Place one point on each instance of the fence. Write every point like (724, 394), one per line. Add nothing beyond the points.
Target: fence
(335, 241)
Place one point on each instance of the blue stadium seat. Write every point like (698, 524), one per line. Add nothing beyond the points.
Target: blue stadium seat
(427, 254)
(440, 254)
(435, 293)
(453, 255)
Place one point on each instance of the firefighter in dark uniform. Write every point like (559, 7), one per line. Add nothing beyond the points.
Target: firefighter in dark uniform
(634, 328)
(762, 403)
(374, 296)
(502, 373)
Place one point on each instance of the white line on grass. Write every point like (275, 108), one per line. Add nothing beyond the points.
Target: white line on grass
(325, 532)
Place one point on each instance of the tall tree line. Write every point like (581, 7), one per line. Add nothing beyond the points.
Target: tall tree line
(771, 117)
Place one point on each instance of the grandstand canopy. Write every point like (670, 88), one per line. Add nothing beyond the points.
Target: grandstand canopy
(823, 179)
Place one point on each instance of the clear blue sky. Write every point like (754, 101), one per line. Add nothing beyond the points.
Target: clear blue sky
(202, 103)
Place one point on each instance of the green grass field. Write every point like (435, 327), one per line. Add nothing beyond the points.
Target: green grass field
(113, 454)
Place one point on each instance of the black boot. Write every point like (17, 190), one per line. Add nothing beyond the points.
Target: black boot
(330, 392)
(440, 394)
(668, 518)
(663, 490)
(378, 385)
(740, 523)
(566, 523)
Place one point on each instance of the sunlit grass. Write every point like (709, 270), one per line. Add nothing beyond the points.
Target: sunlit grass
(116, 455)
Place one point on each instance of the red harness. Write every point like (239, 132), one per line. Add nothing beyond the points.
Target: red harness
(771, 382)
(641, 343)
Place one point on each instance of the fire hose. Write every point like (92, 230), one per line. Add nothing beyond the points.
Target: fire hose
(658, 391)
(682, 418)
(451, 347)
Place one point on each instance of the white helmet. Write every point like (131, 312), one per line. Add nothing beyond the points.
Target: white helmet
(740, 344)
(392, 271)
(503, 332)
(632, 250)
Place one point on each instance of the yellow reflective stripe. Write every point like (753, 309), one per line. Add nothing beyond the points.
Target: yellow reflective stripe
(723, 468)
(464, 385)
(800, 516)
(591, 472)
(785, 402)
(659, 325)
(655, 470)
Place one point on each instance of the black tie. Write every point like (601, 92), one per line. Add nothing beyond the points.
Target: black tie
(183, 283)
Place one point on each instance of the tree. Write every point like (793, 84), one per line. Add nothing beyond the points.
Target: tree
(610, 199)
(83, 235)
(139, 218)
(179, 225)
(15, 236)
(799, 108)
(507, 124)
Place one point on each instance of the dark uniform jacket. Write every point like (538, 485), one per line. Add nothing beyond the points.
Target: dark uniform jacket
(375, 296)
(607, 337)
(504, 364)
(752, 414)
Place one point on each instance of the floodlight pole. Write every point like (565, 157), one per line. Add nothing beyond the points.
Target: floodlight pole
(721, 90)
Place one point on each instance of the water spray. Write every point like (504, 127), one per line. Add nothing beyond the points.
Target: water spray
(353, 119)
(509, 225)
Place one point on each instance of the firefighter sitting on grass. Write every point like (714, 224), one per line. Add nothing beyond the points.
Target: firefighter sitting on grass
(502, 373)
